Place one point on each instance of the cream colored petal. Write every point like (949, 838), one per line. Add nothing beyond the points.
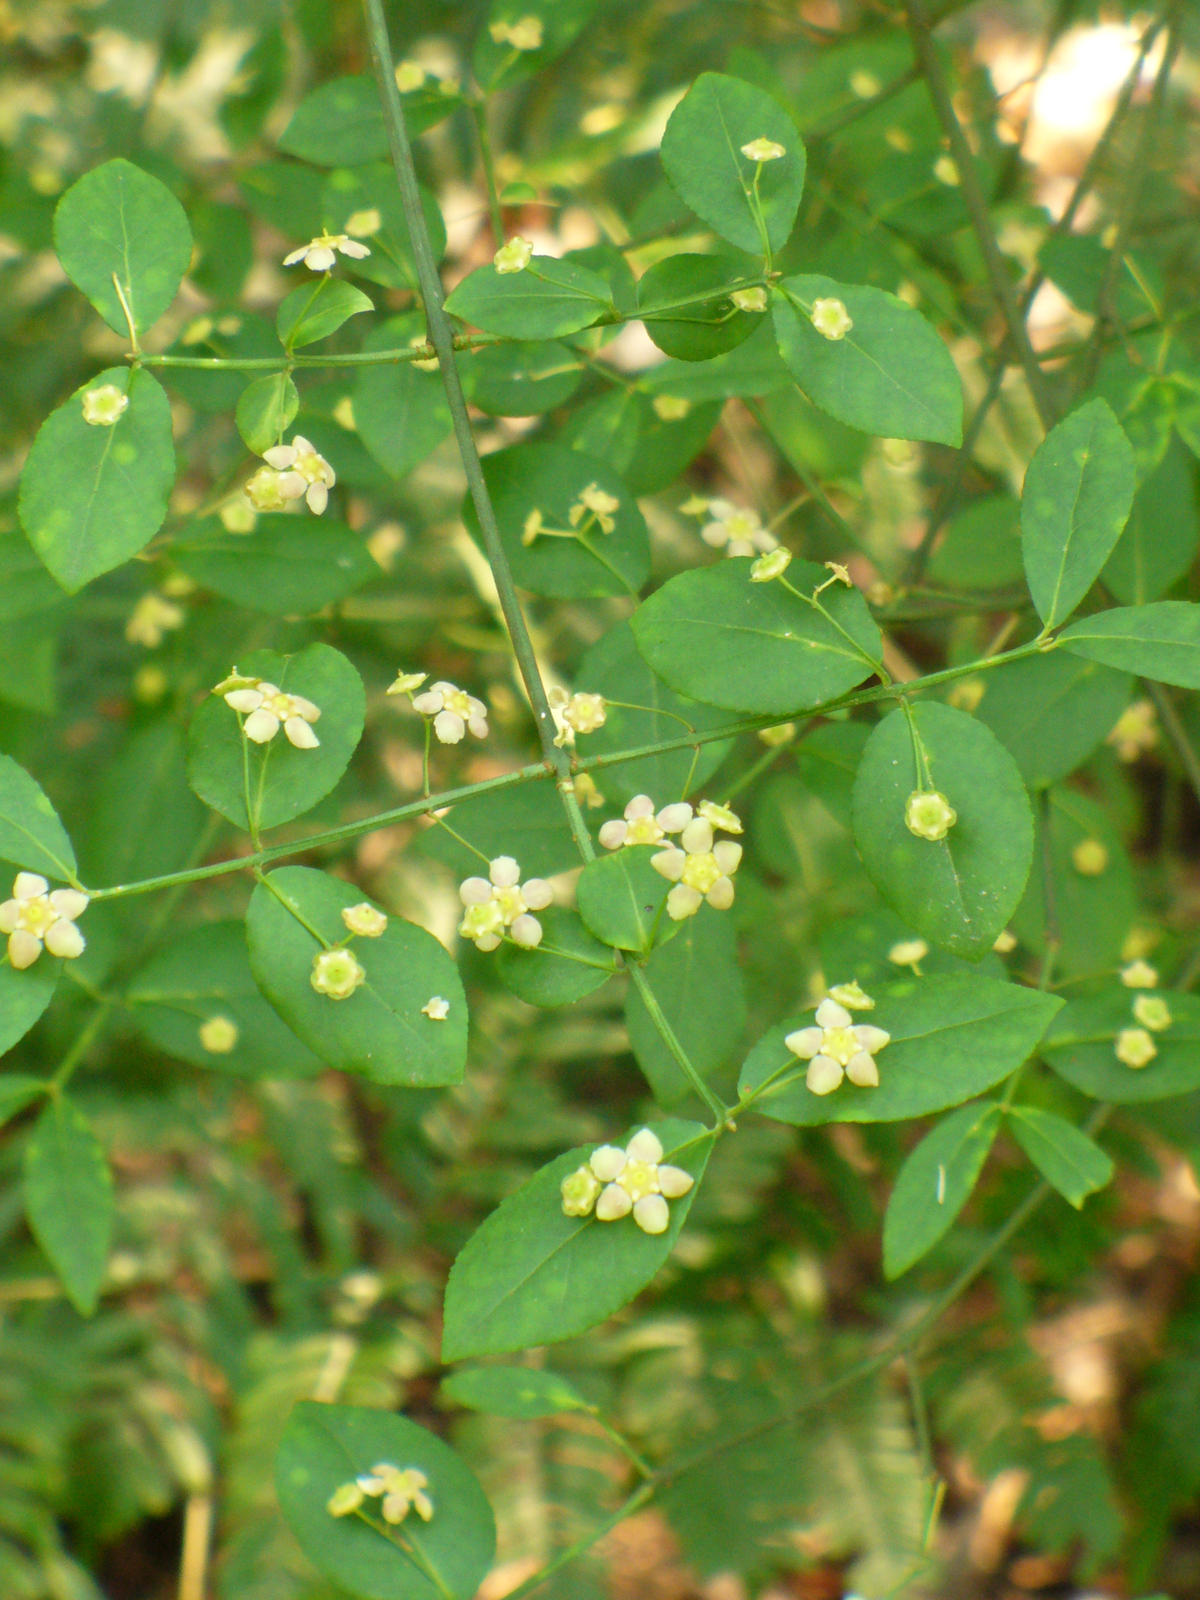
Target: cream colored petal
(871, 1039)
(861, 1069)
(697, 837)
(613, 1203)
(261, 726)
(823, 1076)
(317, 498)
(537, 894)
(351, 247)
(296, 255)
(449, 727)
(488, 942)
(645, 1146)
(526, 931)
(23, 949)
(612, 834)
(9, 912)
(504, 872)
(475, 891)
(69, 903)
(669, 864)
(478, 725)
(429, 703)
(652, 1214)
(674, 1181)
(26, 885)
(805, 1042)
(727, 853)
(300, 734)
(832, 1015)
(674, 818)
(720, 897)
(607, 1161)
(292, 485)
(683, 901)
(319, 260)
(64, 939)
(244, 700)
(280, 456)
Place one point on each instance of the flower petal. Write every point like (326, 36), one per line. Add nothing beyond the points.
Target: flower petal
(300, 734)
(652, 1214)
(261, 726)
(26, 885)
(645, 1146)
(69, 903)
(832, 1015)
(449, 727)
(23, 949)
(280, 456)
(64, 939)
(317, 498)
(805, 1042)
(244, 700)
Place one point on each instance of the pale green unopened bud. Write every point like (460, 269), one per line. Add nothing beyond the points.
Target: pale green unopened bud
(928, 814)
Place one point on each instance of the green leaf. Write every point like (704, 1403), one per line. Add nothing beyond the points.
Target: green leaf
(935, 1183)
(69, 1199)
(29, 662)
(623, 899)
(380, 1029)
(1160, 539)
(858, 949)
(548, 479)
(715, 635)
(698, 983)
(543, 977)
(374, 188)
(696, 332)
(827, 759)
(981, 547)
(92, 496)
(1051, 711)
(325, 1446)
(17, 1089)
(523, 1392)
(890, 375)
(614, 668)
(25, 585)
(532, 1275)
(284, 194)
(952, 1037)
(30, 833)
(143, 819)
(401, 414)
(496, 62)
(961, 890)
(1064, 1155)
(340, 124)
(266, 409)
(118, 221)
(315, 310)
(1160, 641)
(754, 368)
(279, 781)
(23, 997)
(526, 821)
(523, 379)
(1078, 491)
(289, 566)
(547, 300)
(205, 975)
(1081, 1047)
(702, 157)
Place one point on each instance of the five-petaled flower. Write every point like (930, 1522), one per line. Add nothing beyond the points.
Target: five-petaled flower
(830, 318)
(453, 711)
(502, 901)
(599, 503)
(615, 1182)
(436, 1008)
(267, 708)
(37, 916)
(928, 814)
(524, 34)
(1134, 1048)
(1139, 974)
(365, 920)
(838, 1047)
(738, 530)
(576, 713)
(401, 1490)
(320, 254)
(336, 973)
(1152, 1011)
(513, 256)
(297, 469)
(103, 405)
(763, 150)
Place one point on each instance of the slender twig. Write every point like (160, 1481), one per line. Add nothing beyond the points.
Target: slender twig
(479, 112)
(1176, 732)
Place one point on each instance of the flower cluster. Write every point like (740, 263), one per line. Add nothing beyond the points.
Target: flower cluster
(514, 256)
(103, 405)
(837, 1047)
(576, 713)
(594, 507)
(292, 471)
(830, 318)
(734, 529)
(1135, 1047)
(453, 710)
(37, 916)
(267, 708)
(525, 34)
(502, 901)
(318, 255)
(928, 814)
(615, 1182)
(401, 1490)
(699, 868)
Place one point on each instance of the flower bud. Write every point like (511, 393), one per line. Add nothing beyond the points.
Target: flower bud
(750, 299)
(219, 1035)
(1089, 858)
(336, 973)
(513, 256)
(1152, 1011)
(364, 920)
(928, 814)
(831, 319)
(579, 1191)
(1135, 1048)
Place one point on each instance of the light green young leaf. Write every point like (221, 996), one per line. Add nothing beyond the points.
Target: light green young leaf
(118, 221)
(317, 309)
(94, 495)
(181, 997)
(1051, 711)
(718, 637)
(532, 1275)
(400, 413)
(959, 891)
(325, 1446)
(1160, 641)
(30, 833)
(952, 1037)
(380, 1030)
(69, 1199)
(935, 1183)
(890, 374)
(288, 567)
(276, 780)
(752, 205)
(1064, 1155)
(23, 997)
(548, 299)
(266, 408)
(1081, 1047)
(568, 964)
(623, 899)
(698, 983)
(695, 332)
(1078, 491)
(523, 1392)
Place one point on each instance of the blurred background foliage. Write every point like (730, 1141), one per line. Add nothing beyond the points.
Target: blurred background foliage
(288, 1237)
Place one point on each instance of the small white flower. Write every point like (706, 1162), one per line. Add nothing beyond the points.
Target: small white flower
(763, 150)
(513, 256)
(401, 1490)
(1134, 1048)
(267, 709)
(151, 618)
(453, 710)
(838, 1048)
(362, 224)
(830, 317)
(739, 531)
(525, 34)
(436, 1008)
(37, 916)
(750, 299)
(599, 503)
(410, 75)
(501, 901)
(700, 867)
(773, 565)
(1139, 975)
(576, 713)
(302, 471)
(908, 952)
(318, 255)
(1136, 731)
(103, 405)
(1152, 1011)
(670, 407)
(616, 1182)
(365, 920)
(928, 814)
(336, 973)
(219, 1035)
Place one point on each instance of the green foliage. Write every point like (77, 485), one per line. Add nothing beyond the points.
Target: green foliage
(69, 1199)
(623, 900)
(547, 300)
(317, 309)
(289, 566)
(1074, 1164)
(935, 1183)
(512, 1392)
(1161, 640)
(266, 409)
(30, 833)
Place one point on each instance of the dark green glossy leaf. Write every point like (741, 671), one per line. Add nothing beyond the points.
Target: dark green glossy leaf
(1160, 539)
(316, 309)
(523, 379)
(548, 299)
(623, 899)
(698, 331)
(1051, 711)
(1159, 641)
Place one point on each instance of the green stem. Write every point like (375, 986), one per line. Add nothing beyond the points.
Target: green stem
(635, 1502)
(718, 1108)
(479, 113)
(623, 1444)
(80, 1048)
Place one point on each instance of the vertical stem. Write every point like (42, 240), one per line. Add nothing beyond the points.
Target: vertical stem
(657, 1016)
(1177, 733)
(197, 1538)
(479, 111)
